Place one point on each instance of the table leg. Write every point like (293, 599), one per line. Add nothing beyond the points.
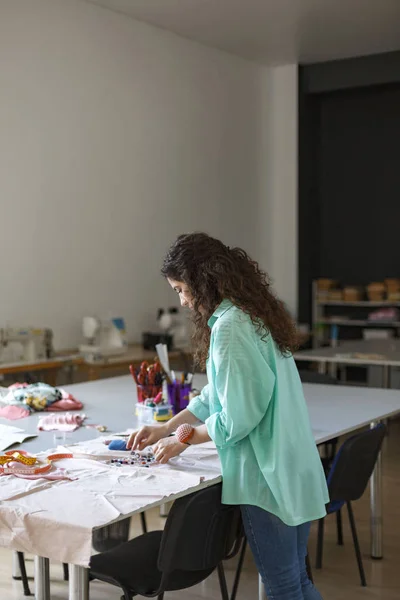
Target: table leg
(92, 373)
(164, 509)
(386, 376)
(42, 578)
(322, 368)
(51, 377)
(16, 571)
(78, 583)
(261, 590)
(376, 507)
(71, 372)
(333, 370)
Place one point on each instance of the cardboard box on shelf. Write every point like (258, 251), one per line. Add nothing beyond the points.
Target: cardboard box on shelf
(376, 291)
(352, 293)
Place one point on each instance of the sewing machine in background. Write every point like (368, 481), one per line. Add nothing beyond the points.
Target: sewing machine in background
(104, 338)
(25, 344)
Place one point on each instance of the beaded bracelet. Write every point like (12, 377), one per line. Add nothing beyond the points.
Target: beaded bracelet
(184, 433)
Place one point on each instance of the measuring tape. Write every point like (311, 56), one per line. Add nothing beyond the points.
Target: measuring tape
(21, 463)
(30, 465)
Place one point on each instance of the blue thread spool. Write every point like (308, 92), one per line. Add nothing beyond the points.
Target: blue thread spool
(117, 445)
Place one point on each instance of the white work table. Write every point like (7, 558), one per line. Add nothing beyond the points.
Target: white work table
(334, 410)
(383, 353)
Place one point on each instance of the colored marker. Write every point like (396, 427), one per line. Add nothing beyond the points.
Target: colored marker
(133, 373)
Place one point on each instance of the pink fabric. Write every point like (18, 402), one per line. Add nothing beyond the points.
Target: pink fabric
(12, 412)
(67, 402)
(17, 386)
(65, 422)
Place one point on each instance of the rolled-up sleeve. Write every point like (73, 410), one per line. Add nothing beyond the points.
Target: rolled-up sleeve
(244, 385)
(199, 405)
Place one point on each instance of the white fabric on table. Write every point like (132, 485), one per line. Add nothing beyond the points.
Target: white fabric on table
(56, 519)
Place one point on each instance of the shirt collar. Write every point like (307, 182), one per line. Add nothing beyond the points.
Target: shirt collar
(219, 311)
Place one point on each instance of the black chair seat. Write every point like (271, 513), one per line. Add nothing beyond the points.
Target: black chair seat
(134, 566)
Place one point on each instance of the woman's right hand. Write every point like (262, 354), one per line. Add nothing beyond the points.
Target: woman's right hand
(146, 436)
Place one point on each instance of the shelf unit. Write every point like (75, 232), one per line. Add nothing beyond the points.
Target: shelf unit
(367, 303)
(359, 323)
(321, 321)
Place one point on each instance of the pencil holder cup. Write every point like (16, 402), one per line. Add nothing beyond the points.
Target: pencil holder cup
(178, 396)
(147, 391)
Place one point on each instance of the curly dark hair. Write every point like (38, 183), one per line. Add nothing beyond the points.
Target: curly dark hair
(214, 272)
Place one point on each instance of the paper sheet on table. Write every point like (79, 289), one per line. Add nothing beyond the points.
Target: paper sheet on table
(10, 435)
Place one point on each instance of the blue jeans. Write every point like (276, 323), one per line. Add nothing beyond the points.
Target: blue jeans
(280, 555)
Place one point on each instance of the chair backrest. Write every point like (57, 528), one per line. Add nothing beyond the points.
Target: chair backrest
(111, 536)
(200, 532)
(314, 377)
(353, 465)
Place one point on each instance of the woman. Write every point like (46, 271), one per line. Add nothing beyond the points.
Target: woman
(253, 408)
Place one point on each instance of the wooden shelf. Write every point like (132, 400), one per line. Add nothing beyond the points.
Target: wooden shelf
(358, 323)
(366, 303)
(348, 314)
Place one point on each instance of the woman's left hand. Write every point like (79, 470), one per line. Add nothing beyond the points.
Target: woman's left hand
(167, 448)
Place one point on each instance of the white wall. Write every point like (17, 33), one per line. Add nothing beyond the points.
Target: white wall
(277, 225)
(115, 137)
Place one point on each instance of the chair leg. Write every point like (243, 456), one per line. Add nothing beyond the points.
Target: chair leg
(339, 527)
(239, 570)
(24, 577)
(143, 521)
(222, 582)
(308, 569)
(356, 544)
(160, 596)
(127, 595)
(66, 571)
(320, 543)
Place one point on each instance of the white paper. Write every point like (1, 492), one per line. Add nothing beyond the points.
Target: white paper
(10, 435)
(162, 353)
(6, 429)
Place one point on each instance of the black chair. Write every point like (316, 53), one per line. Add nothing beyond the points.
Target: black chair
(103, 539)
(111, 536)
(23, 577)
(328, 448)
(200, 532)
(347, 480)
(307, 376)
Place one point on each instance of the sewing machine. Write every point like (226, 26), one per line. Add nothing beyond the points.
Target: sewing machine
(105, 337)
(25, 344)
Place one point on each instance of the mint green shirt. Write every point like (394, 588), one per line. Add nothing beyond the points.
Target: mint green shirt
(255, 412)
